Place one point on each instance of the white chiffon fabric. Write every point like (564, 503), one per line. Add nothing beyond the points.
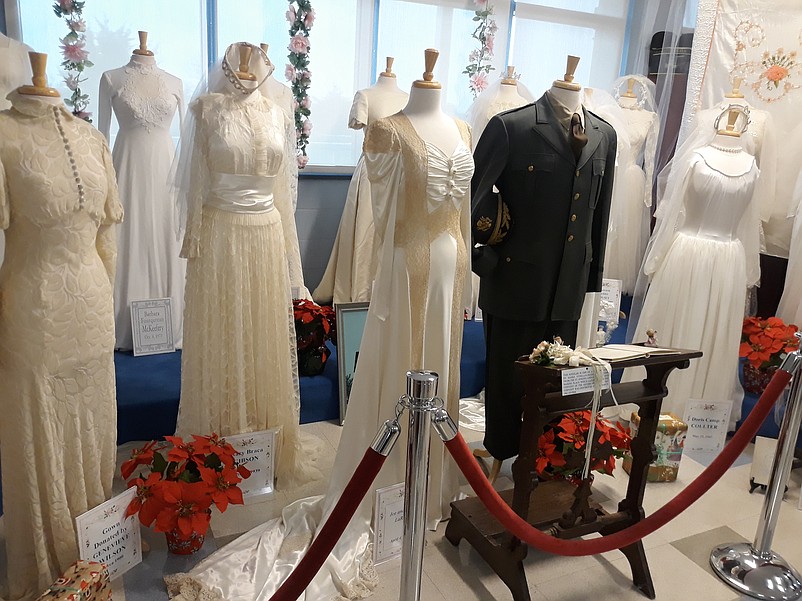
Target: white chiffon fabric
(239, 364)
(790, 307)
(702, 257)
(57, 390)
(145, 100)
(352, 264)
(422, 208)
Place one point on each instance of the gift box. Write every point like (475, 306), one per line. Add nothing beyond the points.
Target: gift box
(83, 580)
(668, 441)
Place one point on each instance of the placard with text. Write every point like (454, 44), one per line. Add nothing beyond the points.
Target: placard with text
(708, 422)
(257, 453)
(389, 527)
(107, 536)
(152, 326)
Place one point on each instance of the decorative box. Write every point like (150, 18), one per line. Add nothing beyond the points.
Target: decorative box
(83, 581)
(668, 441)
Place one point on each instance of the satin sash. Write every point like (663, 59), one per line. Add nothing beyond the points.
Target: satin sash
(240, 193)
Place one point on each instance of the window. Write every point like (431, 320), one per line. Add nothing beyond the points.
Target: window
(349, 43)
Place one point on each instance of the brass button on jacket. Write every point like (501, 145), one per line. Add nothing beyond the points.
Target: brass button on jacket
(570, 237)
(576, 196)
(531, 168)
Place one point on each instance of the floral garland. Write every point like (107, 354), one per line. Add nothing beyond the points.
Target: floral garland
(297, 71)
(479, 59)
(76, 56)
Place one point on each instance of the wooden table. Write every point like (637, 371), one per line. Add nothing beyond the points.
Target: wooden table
(555, 506)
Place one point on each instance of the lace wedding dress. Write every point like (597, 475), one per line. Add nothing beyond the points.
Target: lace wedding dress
(145, 100)
(421, 202)
(239, 365)
(58, 202)
(701, 259)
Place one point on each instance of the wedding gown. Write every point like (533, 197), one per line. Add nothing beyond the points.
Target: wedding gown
(145, 100)
(58, 201)
(421, 202)
(352, 264)
(15, 70)
(790, 307)
(239, 364)
(628, 230)
(700, 270)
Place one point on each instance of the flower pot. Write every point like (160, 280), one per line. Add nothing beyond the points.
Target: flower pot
(179, 544)
(312, 361)
(756, 378)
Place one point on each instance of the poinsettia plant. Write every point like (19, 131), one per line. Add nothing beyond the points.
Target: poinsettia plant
(766, 342)
(314, 325)
(561, 447)
(178, 481)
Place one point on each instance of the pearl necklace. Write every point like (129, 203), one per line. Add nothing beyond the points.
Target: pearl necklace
(725, 149)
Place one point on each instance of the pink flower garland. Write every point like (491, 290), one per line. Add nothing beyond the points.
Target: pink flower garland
(479, 66)
(301, 17)
(76, 56)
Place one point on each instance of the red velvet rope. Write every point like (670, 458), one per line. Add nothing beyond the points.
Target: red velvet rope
(535, 538)
(331, 531)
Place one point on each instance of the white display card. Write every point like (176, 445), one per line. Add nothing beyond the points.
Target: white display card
(389, 528)
(257, 454)
(107, 536)
(610, 305)
(762, 459)
(708, 422)
(581, 379)
(152, 326)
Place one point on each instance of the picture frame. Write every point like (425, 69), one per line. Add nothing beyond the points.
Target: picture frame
(152, 326)
(351, 319)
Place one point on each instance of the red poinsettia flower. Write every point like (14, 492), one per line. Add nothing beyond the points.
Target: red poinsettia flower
(147, 500)
(186, 508)
(139, 457)
(223, 485)
(547, 453)
(213, 444)
(181, 451)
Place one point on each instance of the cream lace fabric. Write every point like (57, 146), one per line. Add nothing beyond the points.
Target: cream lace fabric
(58, 204)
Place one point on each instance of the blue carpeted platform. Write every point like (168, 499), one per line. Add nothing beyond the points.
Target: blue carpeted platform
(148, 388)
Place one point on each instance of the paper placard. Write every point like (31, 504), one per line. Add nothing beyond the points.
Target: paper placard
(581, 379)
(389, 529)
(107, 536)
(257, 454)
(610, 304)
(152, 325)
(708, 422)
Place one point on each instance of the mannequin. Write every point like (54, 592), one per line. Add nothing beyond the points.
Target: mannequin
(278, 92)
(352, 263)
(58, 430)
(420, 196)
(707, 231)
(145, 100)
(555, 178)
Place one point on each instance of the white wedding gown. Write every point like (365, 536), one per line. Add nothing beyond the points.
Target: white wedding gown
(421, 201)
(239, 363)
(628, 230)
(57, 398)
(145, 100)
(699, 277)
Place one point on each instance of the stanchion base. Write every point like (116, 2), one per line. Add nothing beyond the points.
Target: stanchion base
(771, 579)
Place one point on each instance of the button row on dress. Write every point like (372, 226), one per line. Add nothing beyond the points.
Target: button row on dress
(73, 165)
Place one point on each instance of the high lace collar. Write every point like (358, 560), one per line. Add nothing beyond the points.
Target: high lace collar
(141, 65)
(37, 106)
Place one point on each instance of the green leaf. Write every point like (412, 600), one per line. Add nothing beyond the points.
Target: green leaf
(159, 463)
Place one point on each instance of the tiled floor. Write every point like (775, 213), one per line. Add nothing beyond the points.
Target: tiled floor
(677, 553)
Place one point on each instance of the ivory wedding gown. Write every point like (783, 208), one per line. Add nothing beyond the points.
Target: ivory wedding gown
(421, 202)
(145, 100)
(58, 202)
(701, 261)
(239, 363)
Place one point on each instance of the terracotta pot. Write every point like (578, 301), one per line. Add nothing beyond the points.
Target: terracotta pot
(756, 379)
(178, 544)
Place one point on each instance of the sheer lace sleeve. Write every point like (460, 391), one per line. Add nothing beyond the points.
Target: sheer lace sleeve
(194, 181)
(106, 242)
(5, 209)
(104, 106)
(465, 222)
(284, 195)
(358, 118)
(384, 165)
(649, 154)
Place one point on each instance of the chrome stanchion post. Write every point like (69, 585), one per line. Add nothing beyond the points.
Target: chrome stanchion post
(753, 569)
(421, 399)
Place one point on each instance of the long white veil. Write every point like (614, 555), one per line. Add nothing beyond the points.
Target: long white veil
(489, 104)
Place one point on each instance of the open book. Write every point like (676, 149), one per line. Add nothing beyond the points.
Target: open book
(619, 352)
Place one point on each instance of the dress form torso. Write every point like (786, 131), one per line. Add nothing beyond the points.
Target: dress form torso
(384, 98)
(430, 122)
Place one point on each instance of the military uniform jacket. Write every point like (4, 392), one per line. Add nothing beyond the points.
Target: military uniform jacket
(558, 207)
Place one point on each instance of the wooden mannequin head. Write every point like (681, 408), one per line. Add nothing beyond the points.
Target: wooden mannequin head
(732, 117)
(509, 78)
(39, 87)
(630, 89)
(567, 82)
(143, 45)
(388, 70)
(736, 89)
(428, 82)
(244, 58)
